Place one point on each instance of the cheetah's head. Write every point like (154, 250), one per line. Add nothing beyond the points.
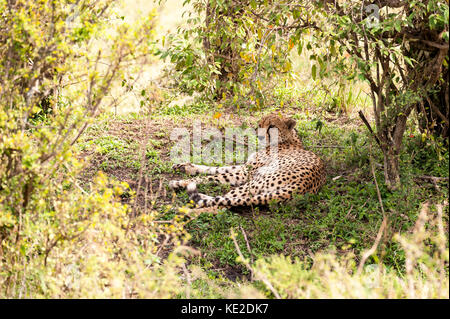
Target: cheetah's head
(273, 127)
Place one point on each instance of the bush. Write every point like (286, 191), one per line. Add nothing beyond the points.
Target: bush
(344, 276)
(58, 239)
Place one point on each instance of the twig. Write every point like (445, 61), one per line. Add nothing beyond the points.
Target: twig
(433, 178)
(374, 247)
(248, 245)
(363, 118)
(249, 267)
(163, 244)
(349, 211)
(435, 108)
(81, 189)
(145, 193)
(378, 189)
(188, 278)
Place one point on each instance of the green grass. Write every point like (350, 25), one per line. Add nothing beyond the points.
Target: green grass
(346, 213)
(344, 216)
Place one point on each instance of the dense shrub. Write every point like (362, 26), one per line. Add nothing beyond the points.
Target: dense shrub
(59, 238)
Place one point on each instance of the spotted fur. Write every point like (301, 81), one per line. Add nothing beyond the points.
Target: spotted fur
(264, 177)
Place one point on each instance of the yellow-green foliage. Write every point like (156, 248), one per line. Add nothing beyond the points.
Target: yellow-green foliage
(88, 246)
(426, 269)
(59, 238)
(333, 275)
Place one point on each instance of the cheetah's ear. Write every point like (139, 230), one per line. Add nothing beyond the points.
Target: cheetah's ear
(290, 123)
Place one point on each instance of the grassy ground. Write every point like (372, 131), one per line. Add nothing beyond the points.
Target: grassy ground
(344, 216)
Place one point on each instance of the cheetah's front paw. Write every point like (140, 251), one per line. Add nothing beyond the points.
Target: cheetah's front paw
(187, 168)
(177, 184)
(193, 193)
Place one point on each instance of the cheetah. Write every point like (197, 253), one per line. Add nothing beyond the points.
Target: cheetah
(264, 177)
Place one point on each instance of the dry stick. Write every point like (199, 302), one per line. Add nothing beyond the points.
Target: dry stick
(162, 221)
(434, 107)
(349, 211)
(363, 118)
(188, 278)
(166, 239)
(374, 247)
(145, 193)
(248, 245)
(252, 271)
(151, 191)
(160, 188)
(140, 172)
(378, 189)
(433, 178)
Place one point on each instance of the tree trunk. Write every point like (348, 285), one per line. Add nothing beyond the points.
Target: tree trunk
(391, 145)
(391, 169)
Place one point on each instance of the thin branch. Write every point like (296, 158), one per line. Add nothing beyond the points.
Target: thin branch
(382, 228)
(248, 245)
(363, 118)
(433, 178)
(258, 276)
(374, 247)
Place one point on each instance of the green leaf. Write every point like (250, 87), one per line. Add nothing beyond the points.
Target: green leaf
(314, 71)
(408, 60)
(300, 48)
(398, 25)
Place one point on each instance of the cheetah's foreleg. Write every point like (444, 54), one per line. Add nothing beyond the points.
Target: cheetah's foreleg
(195, 169)
(234, 179)
(241, 197)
